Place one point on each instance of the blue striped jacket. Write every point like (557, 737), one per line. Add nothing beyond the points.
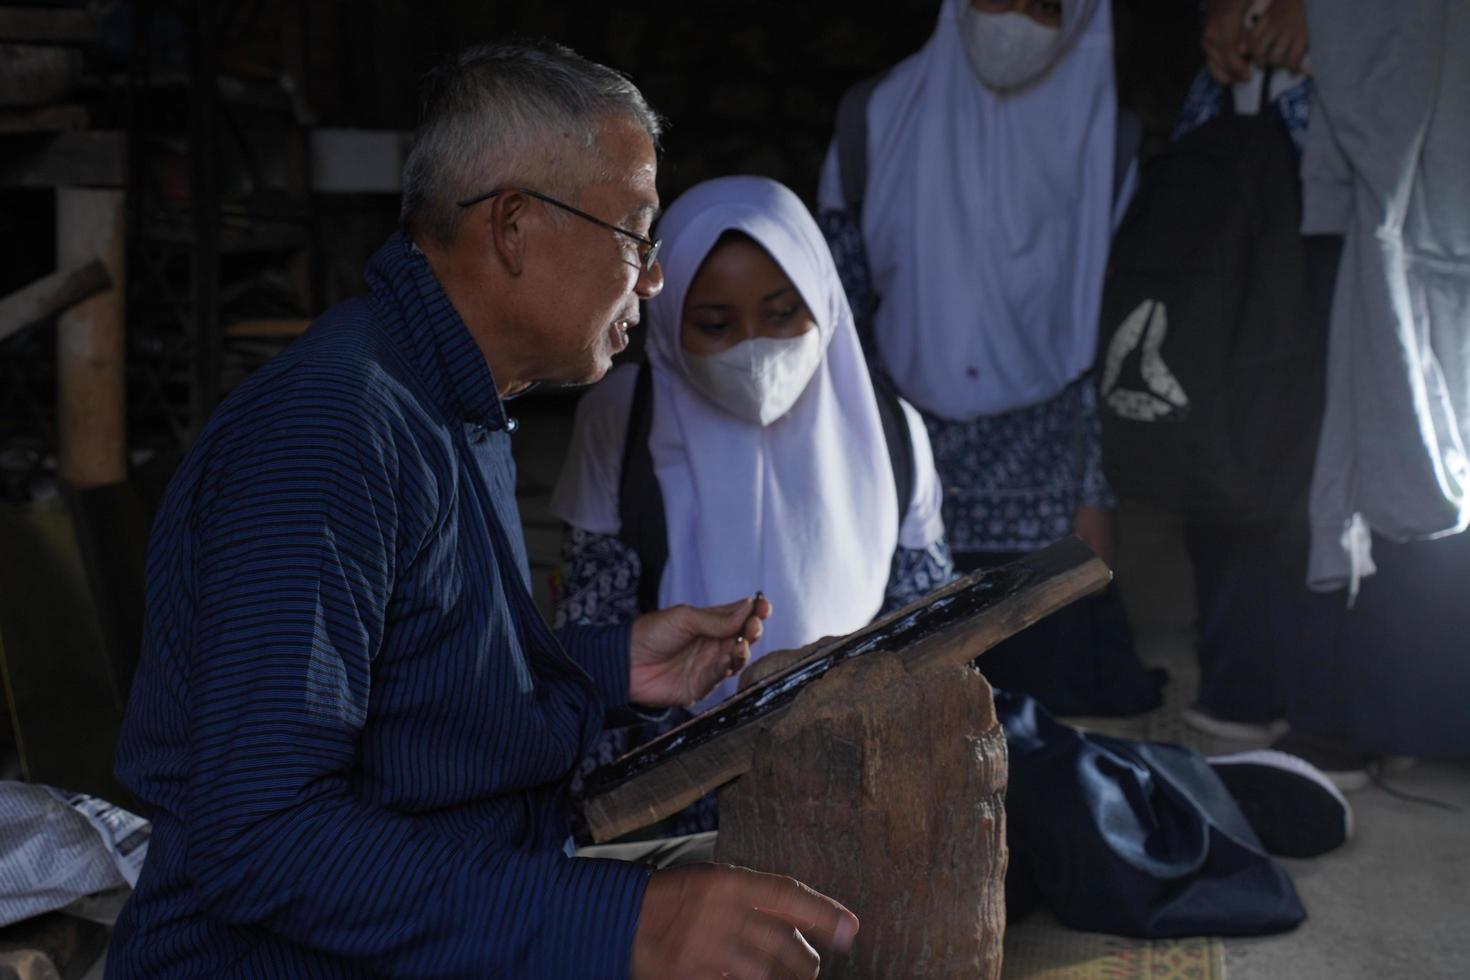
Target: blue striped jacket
(350, 726)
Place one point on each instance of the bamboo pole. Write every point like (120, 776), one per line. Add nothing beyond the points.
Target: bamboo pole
(90, 361)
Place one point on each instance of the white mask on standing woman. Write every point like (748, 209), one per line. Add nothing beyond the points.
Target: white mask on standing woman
(760, 379)
(1007, 51)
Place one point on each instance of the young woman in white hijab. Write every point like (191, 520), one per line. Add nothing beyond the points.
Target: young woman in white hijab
(765, 435)
(979, 246)
(773, 473)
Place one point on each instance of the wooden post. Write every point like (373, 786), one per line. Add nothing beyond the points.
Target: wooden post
(90, 360)
(886, 791)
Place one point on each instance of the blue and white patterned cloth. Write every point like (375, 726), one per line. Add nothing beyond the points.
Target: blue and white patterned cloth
(1012, 482)
(1206, 100)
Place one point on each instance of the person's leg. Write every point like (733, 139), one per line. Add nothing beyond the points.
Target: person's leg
(1080, 660)
(1236, 595)
(1406, 650)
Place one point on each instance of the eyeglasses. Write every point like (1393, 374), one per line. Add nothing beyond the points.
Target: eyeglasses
(647, 248)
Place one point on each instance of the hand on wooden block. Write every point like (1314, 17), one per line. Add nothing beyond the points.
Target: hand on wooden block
(711, 920)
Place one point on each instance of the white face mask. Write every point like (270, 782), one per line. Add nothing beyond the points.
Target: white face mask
(758, 380)
(1007, 50)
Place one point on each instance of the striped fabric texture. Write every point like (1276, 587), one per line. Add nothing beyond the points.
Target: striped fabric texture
(351, 727)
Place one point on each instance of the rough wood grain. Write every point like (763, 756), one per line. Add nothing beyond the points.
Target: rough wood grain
(949, 627)
(884, 787)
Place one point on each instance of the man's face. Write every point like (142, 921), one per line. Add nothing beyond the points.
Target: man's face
(590, 278)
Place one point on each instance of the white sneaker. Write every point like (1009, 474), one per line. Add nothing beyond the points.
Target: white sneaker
(1294, 808)
(1202, 720)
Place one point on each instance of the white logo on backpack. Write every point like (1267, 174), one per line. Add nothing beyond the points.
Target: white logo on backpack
(1146, 326)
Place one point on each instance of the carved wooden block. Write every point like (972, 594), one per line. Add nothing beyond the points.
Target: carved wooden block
(947, 628)
(885, 790)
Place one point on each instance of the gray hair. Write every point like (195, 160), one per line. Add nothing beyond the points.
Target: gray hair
(495, 116)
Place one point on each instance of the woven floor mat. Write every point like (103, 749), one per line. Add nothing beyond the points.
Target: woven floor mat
(1040, 948)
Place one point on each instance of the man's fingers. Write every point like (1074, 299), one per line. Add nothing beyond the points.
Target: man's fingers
(1298, 54)
(739, 657)
(752, 629)
(746, 962)
(782, 949)
(820, 919)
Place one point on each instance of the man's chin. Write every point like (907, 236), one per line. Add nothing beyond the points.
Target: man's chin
(591, 375)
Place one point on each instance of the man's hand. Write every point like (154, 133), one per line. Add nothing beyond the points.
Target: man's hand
(679, 654)
(714, 920)
(1279, 36)
(1224, 41)
(1094, 525)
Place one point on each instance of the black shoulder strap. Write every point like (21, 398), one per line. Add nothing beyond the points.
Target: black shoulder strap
(1129, 135)
(900, 441)
(640, 501)
(852, 144)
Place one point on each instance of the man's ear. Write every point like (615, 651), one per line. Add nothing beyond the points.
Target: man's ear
(509, 226)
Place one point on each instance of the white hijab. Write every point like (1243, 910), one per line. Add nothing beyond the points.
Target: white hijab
(986, 219)
(803, 509)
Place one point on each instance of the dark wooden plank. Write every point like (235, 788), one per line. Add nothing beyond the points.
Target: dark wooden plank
(952, 626)
(44, 119)
(49, 24)
(90, 158)
(686, 777)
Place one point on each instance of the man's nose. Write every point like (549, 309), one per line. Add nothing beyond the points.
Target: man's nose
(650, 282)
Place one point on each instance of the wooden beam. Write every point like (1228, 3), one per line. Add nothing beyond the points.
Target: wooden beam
(90, 357)
(90, 158)
(49, 24)
(45, 119)
(950, 627)
(51, 295)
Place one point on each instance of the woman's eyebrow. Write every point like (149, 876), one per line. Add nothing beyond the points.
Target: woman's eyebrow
(709, 306)
(784, 289)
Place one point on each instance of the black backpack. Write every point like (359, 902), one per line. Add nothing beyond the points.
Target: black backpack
(641, 502)
(1212, 364)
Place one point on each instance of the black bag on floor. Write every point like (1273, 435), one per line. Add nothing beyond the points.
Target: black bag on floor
(1213, 359)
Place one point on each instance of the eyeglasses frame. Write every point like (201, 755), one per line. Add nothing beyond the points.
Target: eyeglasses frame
(645, 262)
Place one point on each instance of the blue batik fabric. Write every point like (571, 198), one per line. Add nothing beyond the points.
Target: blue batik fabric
(350, 727)
(1013, 482)
(1206, 99)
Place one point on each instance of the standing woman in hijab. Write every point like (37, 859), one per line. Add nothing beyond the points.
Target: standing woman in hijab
(973, 250)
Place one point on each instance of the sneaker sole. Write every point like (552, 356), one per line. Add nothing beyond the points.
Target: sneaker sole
(1293, 806)
(1235, 731)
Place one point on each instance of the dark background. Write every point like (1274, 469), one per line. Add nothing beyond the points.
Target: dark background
(747, 87)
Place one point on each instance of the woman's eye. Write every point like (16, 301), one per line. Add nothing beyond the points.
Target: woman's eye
(718, 329)
(784, 315)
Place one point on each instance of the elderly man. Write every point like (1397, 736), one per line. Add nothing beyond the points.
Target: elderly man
(350, 726)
